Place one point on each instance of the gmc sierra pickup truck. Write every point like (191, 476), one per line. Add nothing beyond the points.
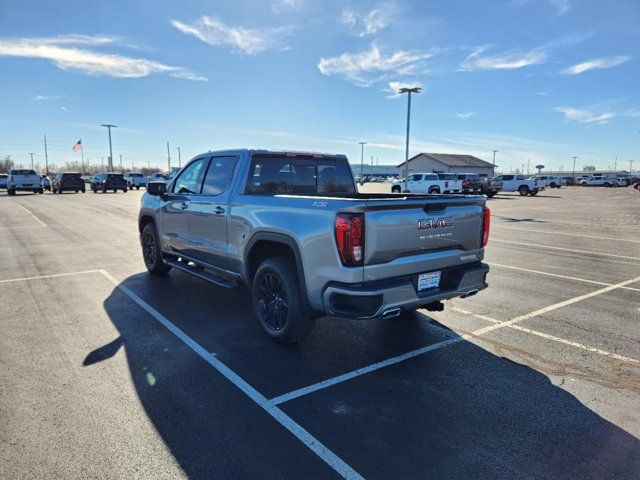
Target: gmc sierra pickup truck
(294, 229)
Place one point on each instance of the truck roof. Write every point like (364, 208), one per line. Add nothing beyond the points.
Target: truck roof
(293, 153)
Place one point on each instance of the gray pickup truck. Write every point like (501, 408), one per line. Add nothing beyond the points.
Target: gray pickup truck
(294, 229)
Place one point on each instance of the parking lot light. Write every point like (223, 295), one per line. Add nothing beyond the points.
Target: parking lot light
(408, 91)
(109, 127)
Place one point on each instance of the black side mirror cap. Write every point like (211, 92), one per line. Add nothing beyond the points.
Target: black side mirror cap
(156, 188)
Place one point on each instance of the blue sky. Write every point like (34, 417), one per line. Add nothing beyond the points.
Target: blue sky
(538, 80)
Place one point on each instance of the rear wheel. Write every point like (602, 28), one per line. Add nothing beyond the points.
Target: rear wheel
(278, 301)
(124, 190)
(434, 190)
(607, 184)
(83, 190)
(490, 194)
(41, 191)
(138, 187)
(395, 189)
(104, 190)
(11, 192)
(151, 251)
(533, 193)
(523, 190)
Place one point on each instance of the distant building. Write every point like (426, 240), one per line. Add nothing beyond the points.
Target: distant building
(375, 170)
(447, 162)
(582, 173)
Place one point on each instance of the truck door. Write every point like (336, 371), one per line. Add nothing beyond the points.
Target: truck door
(173, 216)
(209, 211)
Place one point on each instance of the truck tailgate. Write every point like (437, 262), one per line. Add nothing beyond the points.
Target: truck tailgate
(421, 233)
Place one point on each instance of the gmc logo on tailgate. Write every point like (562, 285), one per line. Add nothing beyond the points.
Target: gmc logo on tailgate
(433, 223)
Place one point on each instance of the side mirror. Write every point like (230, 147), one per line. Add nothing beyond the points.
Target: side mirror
(156, 188)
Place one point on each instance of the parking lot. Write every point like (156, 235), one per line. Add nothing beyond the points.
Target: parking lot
(107, 372)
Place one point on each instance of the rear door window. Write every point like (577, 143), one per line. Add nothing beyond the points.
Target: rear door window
(218, 175)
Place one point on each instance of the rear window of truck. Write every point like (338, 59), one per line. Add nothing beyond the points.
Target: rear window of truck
(294, 175)
(23, 172)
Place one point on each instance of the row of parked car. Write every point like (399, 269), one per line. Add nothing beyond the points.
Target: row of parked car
(27, 180)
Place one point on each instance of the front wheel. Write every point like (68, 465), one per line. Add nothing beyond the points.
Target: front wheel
(278, 301)
(433, 190)
(138, 187)
(523, 190)
(395, 189)
(151, 251)
(490, 194)
(124, 190)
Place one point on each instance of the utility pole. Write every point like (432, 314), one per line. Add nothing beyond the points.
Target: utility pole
(574, 168)
(494, 158)
(408, 91)
(46, 156)
(168, 158)
(102, 163)
(109, 127)
(31, 160)
(179, 158)
(121, 168)
(372, 165)
(81, 157)
(362, 144)
(631, 165)
(615, 165)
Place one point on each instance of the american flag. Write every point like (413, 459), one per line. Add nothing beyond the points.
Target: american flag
(77, 146)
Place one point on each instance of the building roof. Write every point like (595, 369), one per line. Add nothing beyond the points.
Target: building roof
(454, 160)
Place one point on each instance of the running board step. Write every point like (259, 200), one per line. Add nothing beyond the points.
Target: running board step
(201, 273)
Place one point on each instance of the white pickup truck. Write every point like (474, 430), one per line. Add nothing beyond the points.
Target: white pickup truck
(518, 183)
(599, 181)
(23, 180)
(429, 183)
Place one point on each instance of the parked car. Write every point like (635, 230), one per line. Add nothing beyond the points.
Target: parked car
(427, 183)
(517, 183)
(157, 177)
(471, 182)
(549, 181)
(45, 182)
(3, 180)
(103, 182)
(67, 182)
(23, 180)
(291, 226)
(489, 188)
(599, 181)
(135, 180)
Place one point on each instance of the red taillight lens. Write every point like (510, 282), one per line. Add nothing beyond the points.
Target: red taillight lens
(465, 184)
(446, 184)
(490, 183)
(350, 238)
(486, 226)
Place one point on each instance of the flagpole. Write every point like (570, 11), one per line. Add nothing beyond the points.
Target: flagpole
(82, 156)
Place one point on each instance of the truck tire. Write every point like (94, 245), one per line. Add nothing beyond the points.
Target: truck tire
(395, 189)
(434, 190)
(151, 251)
(278, 302)
(137, 187)
(523, 190)
(534, 192)
(607, 184)
(491, 194)
(11, 192)
(124, 190)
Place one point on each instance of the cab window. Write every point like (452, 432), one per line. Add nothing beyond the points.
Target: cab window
(190, 179)
(218, 175)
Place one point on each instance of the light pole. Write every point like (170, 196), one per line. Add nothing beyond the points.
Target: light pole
(494, 158)
(168, 158)
(574, 168)
(408, 91)
(362, 144)
(46, 156)
(630, 165)
(109, 127)
(179, 158)
(31, 160)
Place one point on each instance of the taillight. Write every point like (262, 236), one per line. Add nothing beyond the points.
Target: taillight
(486, 226)
(465, 184)
(535, 183)
(350, 238)
(446, 184)
(490, 184)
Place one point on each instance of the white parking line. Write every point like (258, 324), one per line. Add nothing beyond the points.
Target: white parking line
(577, 279)
(552, 232)
(55, 275)
(537, 245)
(33, 215)
(436, 346)
(287, 422)
(551, 337)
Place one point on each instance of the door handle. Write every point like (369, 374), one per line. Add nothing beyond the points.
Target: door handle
(218, 210)
(184, 205)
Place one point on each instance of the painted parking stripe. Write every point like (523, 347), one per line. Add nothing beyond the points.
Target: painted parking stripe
(282, 418)
(436, 346)
(577, 279)
(55, 275)
(551, 337)
(549, 247)
(552, 232)
(33, 215)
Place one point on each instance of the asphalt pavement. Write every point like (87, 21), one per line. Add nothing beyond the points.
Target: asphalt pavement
(107, 372)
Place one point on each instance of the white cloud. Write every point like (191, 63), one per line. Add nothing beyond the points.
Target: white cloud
(365, 68)
(510, 60)
(561, 6)
(465, 115)
(244, 40)
(44, 98)
(589, 115)
(379, 18)
(609, 62)
(394, 88)
(64, 54)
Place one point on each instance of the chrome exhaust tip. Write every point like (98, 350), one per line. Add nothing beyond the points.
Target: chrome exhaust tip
(391, 313)
(470, 293)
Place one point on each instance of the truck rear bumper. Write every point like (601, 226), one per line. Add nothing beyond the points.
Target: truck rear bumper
(378, 299)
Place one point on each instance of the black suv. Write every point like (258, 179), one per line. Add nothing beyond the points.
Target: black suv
(67, 182)
(102, 182)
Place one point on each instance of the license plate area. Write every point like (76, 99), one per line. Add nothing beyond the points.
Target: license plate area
(427, 281)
